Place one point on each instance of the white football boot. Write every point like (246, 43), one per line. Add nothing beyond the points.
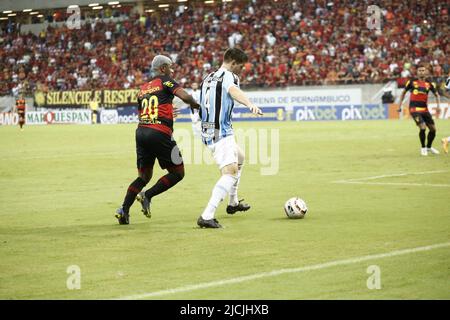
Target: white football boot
(433, 150)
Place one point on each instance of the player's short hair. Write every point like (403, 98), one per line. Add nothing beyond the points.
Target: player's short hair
(423, 65)
(160, 60)
(235, 54)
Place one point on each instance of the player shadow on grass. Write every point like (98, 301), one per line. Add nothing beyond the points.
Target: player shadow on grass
(287, 219)
(98, 229)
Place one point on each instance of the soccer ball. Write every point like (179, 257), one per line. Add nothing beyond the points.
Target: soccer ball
(447, 83)
(295, 208)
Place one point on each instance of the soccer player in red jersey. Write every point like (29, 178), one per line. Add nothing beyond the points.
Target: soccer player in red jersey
(154, 138)
(20, 109)
(418, 107)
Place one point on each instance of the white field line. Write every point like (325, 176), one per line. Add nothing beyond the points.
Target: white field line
(275, 273)
(390, 175)
(397, 184)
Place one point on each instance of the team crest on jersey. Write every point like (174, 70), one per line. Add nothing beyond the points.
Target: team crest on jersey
(168, 84)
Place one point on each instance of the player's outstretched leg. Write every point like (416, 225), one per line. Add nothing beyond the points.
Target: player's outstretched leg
(145, 203)
(235, 205)
(122, 216)
(219, 192)
(123, 213)
(175, 175)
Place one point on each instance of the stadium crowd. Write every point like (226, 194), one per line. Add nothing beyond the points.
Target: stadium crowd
(289, 43)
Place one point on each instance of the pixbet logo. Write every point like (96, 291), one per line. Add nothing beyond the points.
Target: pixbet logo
(316, 113)
(363, 113)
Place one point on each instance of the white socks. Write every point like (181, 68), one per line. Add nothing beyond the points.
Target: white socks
(220, 191)
(233, 192)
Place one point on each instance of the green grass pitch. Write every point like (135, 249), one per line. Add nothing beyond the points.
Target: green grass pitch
(60, 186)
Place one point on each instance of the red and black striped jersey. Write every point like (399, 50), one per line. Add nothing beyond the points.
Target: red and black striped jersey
(419, 94)
(155, 103)
(20, 105)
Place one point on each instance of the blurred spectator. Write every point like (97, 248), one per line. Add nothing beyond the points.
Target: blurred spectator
(387, 97)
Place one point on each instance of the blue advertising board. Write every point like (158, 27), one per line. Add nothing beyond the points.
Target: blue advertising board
(244, 114)
(344, 112)
(129, 114)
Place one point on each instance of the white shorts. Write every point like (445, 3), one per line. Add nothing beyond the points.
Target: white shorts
(225, 151)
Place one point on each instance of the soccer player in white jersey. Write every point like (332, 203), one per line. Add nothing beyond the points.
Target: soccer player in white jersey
(195, 117)
(219, 90)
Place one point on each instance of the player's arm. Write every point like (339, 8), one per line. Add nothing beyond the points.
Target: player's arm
(402, 96)
(15, 109)
(436, 94)
(438, 97)
(408, 87)
(446, 88)
(240, 97)
(438, 101)
(187, 98)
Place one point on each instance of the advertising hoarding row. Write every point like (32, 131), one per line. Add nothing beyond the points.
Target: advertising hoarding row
(76, 116)
(272, 98)
(129, 114)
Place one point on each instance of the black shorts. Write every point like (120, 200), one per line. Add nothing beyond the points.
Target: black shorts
(422, 117)
(152, 144)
